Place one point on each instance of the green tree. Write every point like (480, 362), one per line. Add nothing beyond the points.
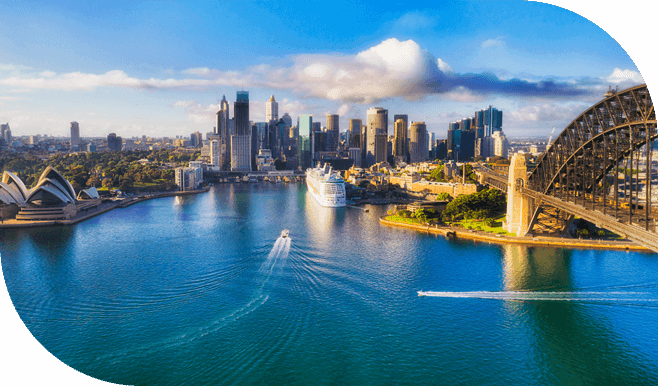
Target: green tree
(443, 197)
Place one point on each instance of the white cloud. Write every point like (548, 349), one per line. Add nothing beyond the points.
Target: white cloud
(443, 66)
(622, 76)
(388, 70)
(497, 42)
(547, 112)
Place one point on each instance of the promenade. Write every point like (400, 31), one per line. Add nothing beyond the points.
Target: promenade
(104, 207)
(555, 242)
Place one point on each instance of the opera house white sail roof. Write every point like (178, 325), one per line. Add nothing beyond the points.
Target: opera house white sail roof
(52, 189)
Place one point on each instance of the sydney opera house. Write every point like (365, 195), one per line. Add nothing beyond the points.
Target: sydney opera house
(52, 198)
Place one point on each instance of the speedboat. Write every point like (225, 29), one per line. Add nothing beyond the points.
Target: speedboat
(421, 293)
(284, 233)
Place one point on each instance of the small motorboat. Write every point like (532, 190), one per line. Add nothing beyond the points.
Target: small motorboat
(284, 233)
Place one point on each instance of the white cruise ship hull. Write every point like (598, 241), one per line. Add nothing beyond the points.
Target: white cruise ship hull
(327, 194)
(330, 202)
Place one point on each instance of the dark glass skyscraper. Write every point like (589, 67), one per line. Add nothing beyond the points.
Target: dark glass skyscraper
(241, 113)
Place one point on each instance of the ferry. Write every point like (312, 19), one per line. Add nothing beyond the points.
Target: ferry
(326, 186)
(284, 233)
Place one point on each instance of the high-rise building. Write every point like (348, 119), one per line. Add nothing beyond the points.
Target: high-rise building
(241, 153)
(501, 146)
(400, 141)
(4, 129)
(75, 135)
(241, 113)
(355, 133)
(381, 148)
(271, 110)
(305, 138)
(333, 131)
(215, 152)
(287, 119)
(377, 123)
(114, 143)
(417, 145)
(196, 139)
(241, 140)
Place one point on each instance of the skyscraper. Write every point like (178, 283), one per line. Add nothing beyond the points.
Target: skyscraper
(355, 133)
(75, 135)
(417, 142)
(271, 110)
(305, 145)
(241, 141)
(215, 152)
(224, 133)
(400, 144)
(241, 113)
(377, 123)
(332, 132)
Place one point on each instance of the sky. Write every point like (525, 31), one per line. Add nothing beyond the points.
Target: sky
(159, 68)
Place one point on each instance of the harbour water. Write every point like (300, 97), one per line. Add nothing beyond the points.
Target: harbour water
(203, 290)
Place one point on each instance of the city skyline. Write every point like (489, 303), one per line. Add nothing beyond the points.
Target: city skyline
(425, 67)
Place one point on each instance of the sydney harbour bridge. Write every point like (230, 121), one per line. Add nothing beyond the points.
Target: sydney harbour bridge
(598, 168)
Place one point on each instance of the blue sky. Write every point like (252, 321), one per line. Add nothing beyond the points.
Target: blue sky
(158, 68)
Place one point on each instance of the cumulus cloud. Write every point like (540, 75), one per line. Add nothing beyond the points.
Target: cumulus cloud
(388, 70)
(547, 112)
(622, 76)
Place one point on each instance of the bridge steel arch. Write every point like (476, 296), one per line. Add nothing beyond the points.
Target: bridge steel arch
(577, 166)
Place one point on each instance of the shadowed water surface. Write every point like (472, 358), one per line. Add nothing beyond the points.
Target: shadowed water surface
(203, 290)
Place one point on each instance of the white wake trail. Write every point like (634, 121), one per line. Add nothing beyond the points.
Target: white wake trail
(279, 251)
(590, 296)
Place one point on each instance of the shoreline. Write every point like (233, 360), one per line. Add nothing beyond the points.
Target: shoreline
(102, 208)
(460, 233)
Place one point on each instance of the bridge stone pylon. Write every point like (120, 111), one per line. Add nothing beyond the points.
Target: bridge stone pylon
(520, 207)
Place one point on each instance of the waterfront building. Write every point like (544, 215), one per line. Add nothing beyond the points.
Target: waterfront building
(215, 152)
(188, 178)
(264, 161)
(377, 123)
(75, 136)
(114, 143)
(333, 130)
(400, 141)
(304, 144)
(271, 110)
(241, 153)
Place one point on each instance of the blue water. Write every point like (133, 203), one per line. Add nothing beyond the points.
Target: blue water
(202, 290)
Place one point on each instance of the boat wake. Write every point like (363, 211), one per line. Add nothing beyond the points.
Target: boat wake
(641, 298)
(264, 282)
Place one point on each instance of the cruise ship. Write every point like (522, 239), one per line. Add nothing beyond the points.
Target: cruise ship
(326, 186)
